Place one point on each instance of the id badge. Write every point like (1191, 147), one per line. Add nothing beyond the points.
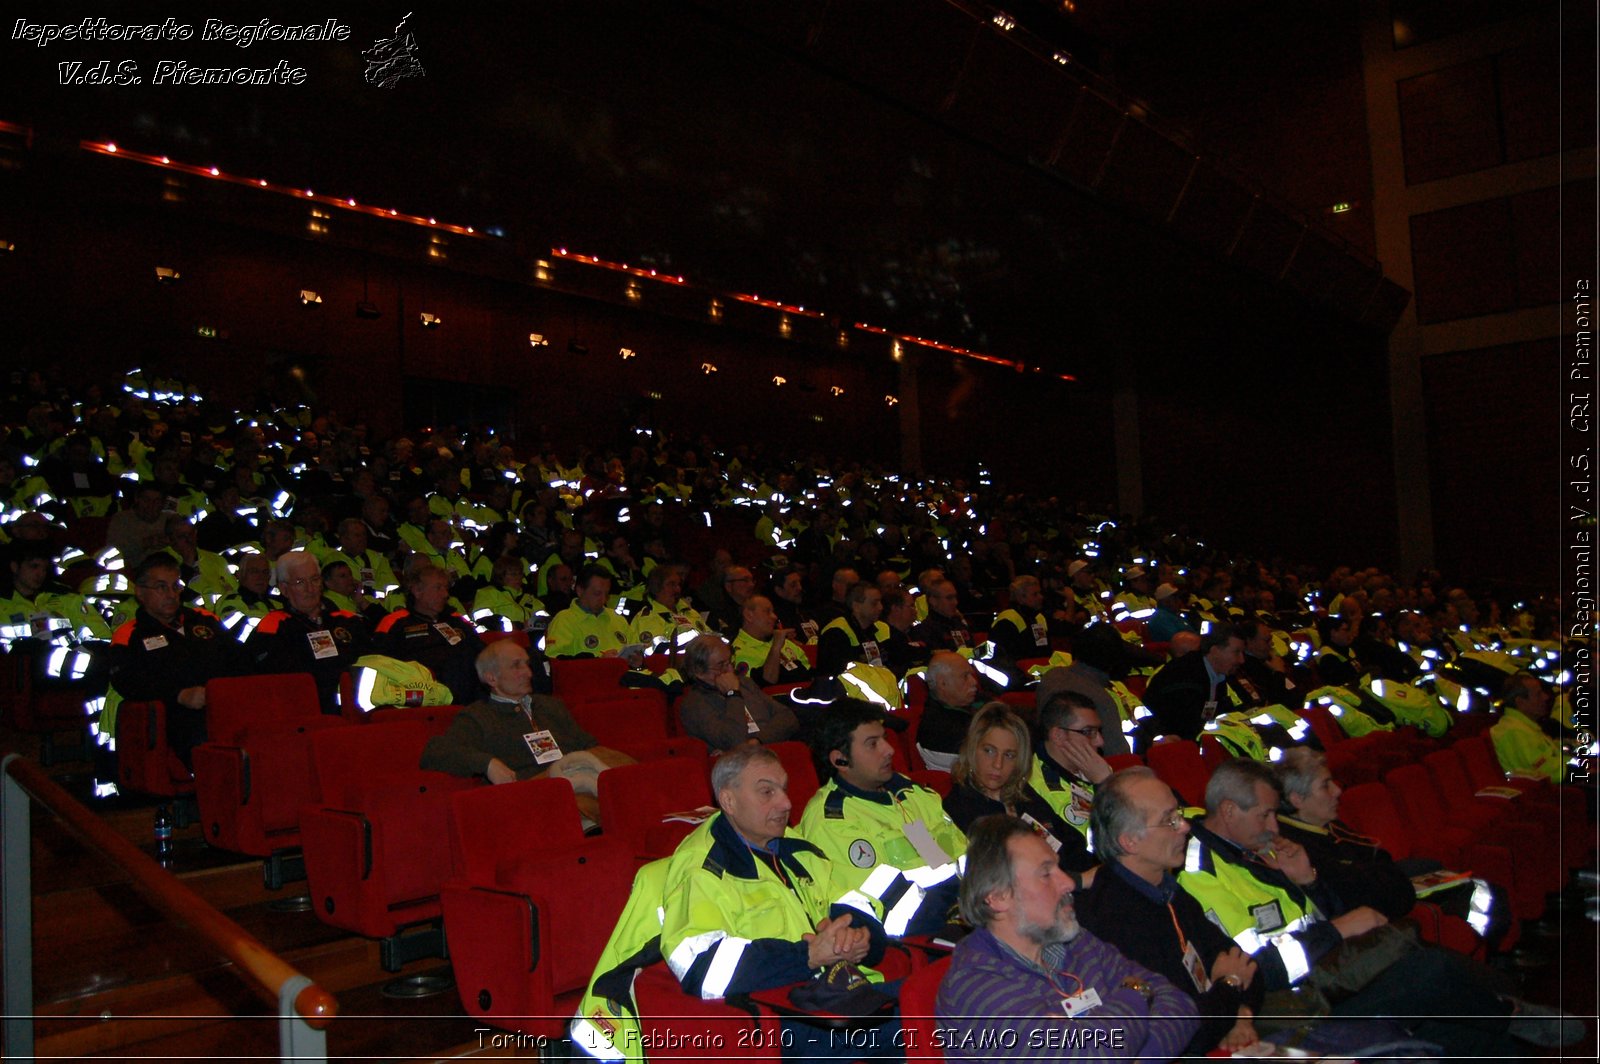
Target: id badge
(39, 625)
(1040, 637)
(751, 727)
(155, 642)
(1078, 1004)
(450, 635)
(1081, 807)
(322, 644)
(869, 648)
(368, 577)
(810, 629)
(1043, 832)
(921, 839)
(1196, 969)
(1209, 711)
(543, 746)
(1268, 916)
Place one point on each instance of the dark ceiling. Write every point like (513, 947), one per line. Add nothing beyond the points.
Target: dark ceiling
(703, 137)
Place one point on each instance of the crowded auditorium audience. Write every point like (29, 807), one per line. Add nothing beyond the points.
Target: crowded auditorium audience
(904, 628)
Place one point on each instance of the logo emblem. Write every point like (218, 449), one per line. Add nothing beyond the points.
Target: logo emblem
(201, 631)
(591, 641)
(342, 635)
(862, 855)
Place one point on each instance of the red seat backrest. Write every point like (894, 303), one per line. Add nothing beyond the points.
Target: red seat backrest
(1483, 767)
(916, 694)
(1370, 809)
(1324, 726)
(633, 798)
(576, 679)
(918, 995)
(1416, 796)
(491, 826)
(626, 717)
(1179, 765)
(579, 890)
(803, 783)
(1212, 751)
(260, 704)
(346, 759)
(1450, 775)
(435, 720)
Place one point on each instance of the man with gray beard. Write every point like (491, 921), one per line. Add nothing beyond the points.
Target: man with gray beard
(1029, 984)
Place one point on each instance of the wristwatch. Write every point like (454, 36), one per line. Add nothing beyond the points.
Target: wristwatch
(1133, 982)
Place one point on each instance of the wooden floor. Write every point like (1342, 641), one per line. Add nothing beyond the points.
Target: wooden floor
(115, 979)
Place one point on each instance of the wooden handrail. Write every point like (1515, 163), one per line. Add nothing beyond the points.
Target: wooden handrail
(265, 970)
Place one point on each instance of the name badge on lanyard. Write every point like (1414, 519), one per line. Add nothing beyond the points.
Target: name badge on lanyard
(1196, 969)
(543, 746)
(1043, 832)
(1080, 1003)
(322, 644)
(869, 650)
(448, 632)
(931, 852)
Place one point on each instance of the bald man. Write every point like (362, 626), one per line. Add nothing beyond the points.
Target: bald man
(516, 735)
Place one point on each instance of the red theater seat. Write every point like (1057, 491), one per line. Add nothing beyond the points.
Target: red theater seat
(145, 763)
(917, 1017)
(1370, 809)
(580, 679)
(633, 720)
(435, 720)
(534, 905)
(254, 773)
(803, 782)
(680, 1026)
(1178, 764)
(1457, 846)
(634, 798)
(372, 842)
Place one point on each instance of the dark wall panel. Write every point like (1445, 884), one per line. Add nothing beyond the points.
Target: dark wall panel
(1500, 254)
(1494, 462)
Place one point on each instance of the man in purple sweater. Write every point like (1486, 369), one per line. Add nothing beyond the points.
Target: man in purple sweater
(1029, 984)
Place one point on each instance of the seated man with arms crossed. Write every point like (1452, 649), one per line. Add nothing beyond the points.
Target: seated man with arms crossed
(1136, 905)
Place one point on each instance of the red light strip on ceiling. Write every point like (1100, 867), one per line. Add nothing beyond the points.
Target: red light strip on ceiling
(304, 194)
(619, 267)
(961, 351)
(772, 304)
(789, 308)
(164, 162)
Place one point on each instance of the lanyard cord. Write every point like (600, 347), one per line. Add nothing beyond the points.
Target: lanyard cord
(1050, 976)
(1183, 943)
